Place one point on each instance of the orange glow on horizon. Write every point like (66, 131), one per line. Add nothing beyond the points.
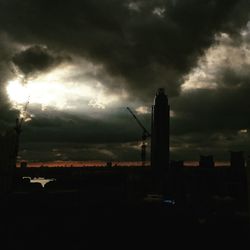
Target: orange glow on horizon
(104, 164)
(82, 164)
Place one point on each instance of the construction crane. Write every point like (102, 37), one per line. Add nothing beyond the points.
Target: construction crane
(145, 135)
(18, 129)
(19, 121)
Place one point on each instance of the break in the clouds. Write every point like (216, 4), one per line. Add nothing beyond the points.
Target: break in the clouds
(137, 46)
(212, 112)
(91, 59)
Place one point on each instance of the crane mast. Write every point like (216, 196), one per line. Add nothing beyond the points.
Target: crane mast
(18, 129)
(145, 135)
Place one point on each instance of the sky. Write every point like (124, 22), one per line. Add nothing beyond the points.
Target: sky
(79, 64)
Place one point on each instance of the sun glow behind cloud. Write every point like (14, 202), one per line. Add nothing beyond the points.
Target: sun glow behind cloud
(59, 90)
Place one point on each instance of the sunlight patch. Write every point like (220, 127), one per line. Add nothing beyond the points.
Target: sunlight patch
(159, 11)
(61, 89)
(142, 110)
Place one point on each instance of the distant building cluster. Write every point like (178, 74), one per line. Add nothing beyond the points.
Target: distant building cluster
(23, 164)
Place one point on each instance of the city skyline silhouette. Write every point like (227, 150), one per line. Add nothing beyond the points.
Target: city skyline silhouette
(124, 123)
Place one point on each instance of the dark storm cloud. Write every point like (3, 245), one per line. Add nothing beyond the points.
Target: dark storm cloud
(80, 151)
(141, 45)
(213, 121)
(58, 126)
(219, 144)
(64, 136)
(145, 49)
(7, 116)
(36, 59)
(220, 109)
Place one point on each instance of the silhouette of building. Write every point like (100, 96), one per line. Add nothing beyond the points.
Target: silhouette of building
(237, 160)
(160, 133)
(23, 164)
(109, 164)
(8, 154)
(176, 164)
(248, 183)
(248, 161)
(206, 161)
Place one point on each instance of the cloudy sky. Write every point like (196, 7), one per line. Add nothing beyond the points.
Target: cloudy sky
(80, 63)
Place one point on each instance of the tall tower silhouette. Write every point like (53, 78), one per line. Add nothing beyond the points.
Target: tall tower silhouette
(160, 133)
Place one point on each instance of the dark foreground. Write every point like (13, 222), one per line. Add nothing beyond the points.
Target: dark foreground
(65, 222)
(116, 208)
